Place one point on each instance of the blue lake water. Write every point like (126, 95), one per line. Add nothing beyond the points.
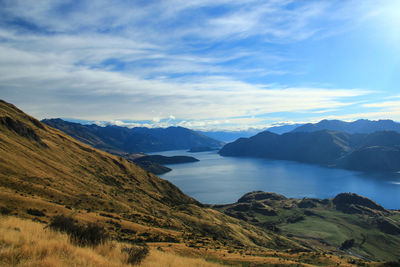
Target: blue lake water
(219, 180)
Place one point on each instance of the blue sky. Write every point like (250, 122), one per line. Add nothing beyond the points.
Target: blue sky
(202, 64)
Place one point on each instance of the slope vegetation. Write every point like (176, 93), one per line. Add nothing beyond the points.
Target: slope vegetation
(45, 173)
(43, 168)
(27, 243)
(347, 223)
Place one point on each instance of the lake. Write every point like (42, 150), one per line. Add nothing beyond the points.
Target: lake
(219, 180)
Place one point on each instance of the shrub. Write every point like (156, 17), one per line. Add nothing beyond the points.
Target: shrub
(136, 254)
(5, 210)
(89, 235)
(35, 212)
(347, 244)
(62, 224)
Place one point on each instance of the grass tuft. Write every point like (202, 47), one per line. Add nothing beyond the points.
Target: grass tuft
(136, 254)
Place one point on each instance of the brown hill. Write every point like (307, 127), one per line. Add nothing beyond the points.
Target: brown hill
(44, 173)
(48, 172)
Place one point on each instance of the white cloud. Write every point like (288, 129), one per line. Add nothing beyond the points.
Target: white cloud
(66, 90)
(107, 60)
(382, 104)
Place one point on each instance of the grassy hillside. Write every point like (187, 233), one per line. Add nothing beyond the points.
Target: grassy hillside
(27, 243)
(45, 169)
(45, 173)
(326, 224)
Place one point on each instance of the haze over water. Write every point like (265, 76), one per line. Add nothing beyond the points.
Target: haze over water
(218, 180)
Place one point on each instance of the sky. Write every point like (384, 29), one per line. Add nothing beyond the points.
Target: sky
(201, 64)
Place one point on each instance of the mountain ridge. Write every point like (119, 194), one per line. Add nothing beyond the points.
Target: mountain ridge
(44, 169)
(378, 151)
(47, 173)
(120, 140)
(358, 126)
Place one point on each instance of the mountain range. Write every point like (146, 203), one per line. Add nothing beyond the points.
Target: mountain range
(358, 126)
(377, 151)
(46, 170)
(120, 140)
(230, 136)
(46, 173)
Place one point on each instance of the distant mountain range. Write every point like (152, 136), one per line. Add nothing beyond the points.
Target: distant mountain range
(284, 128)
(359, 126)
(230, 136)
(119, 140)
(378, 151)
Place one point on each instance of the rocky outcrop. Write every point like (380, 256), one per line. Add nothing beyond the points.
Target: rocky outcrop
(22, 129)
(353, 203)
(260, 195)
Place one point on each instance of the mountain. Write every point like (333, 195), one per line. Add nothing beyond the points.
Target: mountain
(230, 136)
(345, 222)
(359, 126)
(318, 147)
(378, 151)
(283, 128)
(45, 172)
(120, 140)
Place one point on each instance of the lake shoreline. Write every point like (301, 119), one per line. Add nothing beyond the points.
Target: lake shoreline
(223, 180)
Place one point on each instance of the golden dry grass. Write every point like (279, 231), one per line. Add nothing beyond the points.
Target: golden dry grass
(27, 243)
(159, 258)
(59, 175)
(61, 171)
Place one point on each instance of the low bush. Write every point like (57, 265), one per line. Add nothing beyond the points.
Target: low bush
(89, 235)
(35, 212)
(5, 210)
(347, 244)
(62, 224)
(136, 254)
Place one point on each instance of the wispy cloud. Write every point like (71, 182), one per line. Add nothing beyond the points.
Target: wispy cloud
(385, 104)
(202, 62)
